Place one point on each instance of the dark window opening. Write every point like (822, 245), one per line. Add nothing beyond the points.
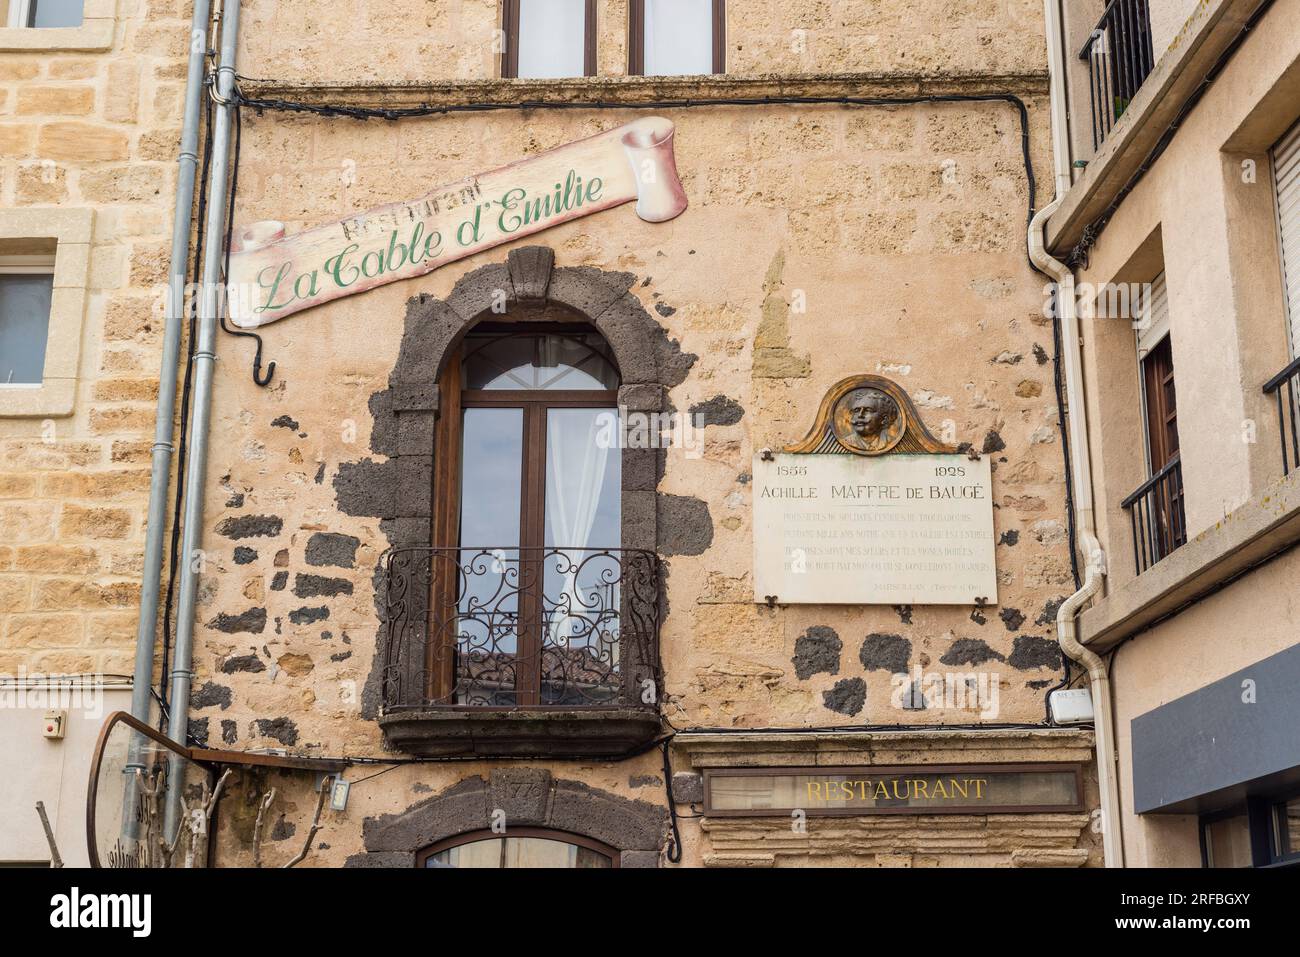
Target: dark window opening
(1156, 508)
(25, 300)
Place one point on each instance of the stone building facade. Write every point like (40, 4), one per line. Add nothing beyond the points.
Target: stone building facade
(821, 240)
(89, 128)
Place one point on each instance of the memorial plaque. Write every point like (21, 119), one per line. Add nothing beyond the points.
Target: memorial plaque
(899, 529)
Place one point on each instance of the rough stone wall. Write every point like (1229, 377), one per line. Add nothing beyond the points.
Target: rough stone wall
(95, 130)
(416, 41)
(898, 231)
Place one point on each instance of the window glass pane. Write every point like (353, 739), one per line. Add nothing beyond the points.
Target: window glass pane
(552, 38)
(492, 470)
(24, 327)
(678, 37)
(518, 852)
(1227, 842)
(582, 478)
(488, 604)
(538, 362)
(55, 13)
(475, 854)
(581, 654)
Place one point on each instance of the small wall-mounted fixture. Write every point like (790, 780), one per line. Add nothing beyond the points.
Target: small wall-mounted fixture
(53, 724)
(1071, 706)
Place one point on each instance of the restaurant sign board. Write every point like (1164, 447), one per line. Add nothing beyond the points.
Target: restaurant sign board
(273, 275)
(925, 789)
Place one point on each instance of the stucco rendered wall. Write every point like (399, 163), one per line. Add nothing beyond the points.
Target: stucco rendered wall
(1204, 214)
(1246, 622)
(1167, 19)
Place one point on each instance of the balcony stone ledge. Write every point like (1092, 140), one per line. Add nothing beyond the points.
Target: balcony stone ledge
(1248, 536)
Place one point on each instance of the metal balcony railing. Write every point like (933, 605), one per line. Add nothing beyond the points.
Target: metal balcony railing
(1119, 57)
(1285, 382)
(511, 628)
(1156, 513)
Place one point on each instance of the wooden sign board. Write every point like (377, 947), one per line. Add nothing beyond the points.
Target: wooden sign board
(273, 275)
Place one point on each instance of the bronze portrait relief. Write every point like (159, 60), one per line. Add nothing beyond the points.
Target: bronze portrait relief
(868, 420)
(868, 415)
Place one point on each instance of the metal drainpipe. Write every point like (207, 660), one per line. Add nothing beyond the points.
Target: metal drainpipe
(1080, 460)
(146, 632)
(204, 361)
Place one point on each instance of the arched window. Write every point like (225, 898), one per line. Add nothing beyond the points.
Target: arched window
(536, 522)
(522, 847)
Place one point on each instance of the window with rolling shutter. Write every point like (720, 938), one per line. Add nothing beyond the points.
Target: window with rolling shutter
(1286, 180)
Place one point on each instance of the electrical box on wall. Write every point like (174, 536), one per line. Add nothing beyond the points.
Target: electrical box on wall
(53, 724)
(1071, 706)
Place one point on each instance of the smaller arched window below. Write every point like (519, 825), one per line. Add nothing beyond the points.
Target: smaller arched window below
(522, 847)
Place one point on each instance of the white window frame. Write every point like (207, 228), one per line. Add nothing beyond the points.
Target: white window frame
(1286, 270)
(98, 19)
(29, 265)
(20, 11)
(37, 265)
(71, 231)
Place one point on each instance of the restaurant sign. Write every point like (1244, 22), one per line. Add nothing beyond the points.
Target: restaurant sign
(932, 789)
(273, 275)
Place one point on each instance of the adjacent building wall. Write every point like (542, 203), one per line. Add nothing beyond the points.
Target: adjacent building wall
(1204, 214)
(89, 126)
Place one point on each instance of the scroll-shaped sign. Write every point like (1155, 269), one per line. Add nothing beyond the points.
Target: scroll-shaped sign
(273, 275)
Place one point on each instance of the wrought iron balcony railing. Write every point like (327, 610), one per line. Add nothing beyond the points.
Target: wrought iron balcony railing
(1119, 57)
(1156, 513)
(1286, 382)
(521, 628)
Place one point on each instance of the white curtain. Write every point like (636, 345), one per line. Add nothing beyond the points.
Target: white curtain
(575, 478)
(552, 38)
(678, 37)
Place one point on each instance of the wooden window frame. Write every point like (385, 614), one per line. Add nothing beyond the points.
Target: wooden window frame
(543, 833)
(510, 29)
(454, 399)
(1160, 416)
(636, 37)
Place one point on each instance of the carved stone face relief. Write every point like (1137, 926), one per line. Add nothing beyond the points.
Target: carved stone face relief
(868, 420)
